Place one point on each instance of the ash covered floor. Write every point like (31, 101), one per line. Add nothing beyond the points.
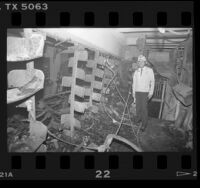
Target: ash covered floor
(96, 124)
(160, 135)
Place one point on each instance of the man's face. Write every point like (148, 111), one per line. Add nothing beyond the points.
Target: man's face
(141, 63)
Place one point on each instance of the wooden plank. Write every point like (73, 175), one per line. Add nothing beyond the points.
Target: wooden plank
(71, 62)
(101, 60)
(88, 91)
(162, 99)
(111, 62)
(72, 95)
(93, 75)
(31, 109)
(90, 63)
(72, 49)
(83, 55)
(30, 67)
(99, 72)
(89, 77)
(87, 105)
(80, 73)
(66, 118)
(97, 85)
(79, 106)
(96, 96)
(66, 81)
(69, 50)
(79, 91)
(104, 90)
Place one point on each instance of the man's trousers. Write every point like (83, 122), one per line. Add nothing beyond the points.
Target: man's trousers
(141, 107)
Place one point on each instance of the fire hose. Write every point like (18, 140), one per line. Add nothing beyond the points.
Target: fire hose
(126, 104)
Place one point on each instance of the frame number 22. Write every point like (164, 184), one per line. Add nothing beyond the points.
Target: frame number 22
(102, 174)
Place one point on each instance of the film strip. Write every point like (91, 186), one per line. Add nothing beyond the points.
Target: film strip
(25, 23)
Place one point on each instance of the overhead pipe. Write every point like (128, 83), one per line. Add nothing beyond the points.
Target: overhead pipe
(163, 31)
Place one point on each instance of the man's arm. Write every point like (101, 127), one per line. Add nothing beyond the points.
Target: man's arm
(152, 83)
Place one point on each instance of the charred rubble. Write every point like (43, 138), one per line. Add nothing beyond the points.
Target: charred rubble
(85, 104)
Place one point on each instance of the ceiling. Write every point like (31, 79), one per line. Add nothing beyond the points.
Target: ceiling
(155, 37)
(113, 40)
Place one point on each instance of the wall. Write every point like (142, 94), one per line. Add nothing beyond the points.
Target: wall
(187, 72)
(130, 52)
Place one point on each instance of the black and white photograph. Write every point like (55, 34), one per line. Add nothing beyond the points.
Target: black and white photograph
(99, 90)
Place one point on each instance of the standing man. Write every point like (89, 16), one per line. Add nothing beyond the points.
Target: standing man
(143, 88)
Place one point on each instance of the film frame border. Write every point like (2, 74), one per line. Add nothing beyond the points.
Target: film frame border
(164, 166)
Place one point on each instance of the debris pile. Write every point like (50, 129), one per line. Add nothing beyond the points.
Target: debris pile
(106, 125)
